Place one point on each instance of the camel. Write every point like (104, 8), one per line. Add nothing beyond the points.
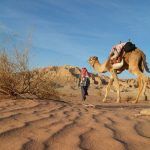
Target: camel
(134, 62)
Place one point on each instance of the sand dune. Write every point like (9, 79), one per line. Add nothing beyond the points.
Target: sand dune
(58, 125)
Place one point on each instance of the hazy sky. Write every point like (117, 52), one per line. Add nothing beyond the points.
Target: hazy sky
(69, 31)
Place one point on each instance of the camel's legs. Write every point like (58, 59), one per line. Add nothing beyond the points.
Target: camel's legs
(145, 82)
(113, 78)
(142, 81)
(108, 88)
(134, 63)
(140, 88)
(117, 86)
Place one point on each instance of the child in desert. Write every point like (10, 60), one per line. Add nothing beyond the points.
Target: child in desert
(84, 82)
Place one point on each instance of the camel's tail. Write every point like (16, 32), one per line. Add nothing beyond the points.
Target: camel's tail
(145, 63)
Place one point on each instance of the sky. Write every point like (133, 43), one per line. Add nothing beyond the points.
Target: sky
(61, 32)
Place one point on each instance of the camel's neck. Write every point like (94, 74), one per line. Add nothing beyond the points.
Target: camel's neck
(100, 67)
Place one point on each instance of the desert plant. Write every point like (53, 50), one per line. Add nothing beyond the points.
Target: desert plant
(16, 79)
(42, 86)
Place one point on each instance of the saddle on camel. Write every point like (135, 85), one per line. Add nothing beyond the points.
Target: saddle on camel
(117, 53)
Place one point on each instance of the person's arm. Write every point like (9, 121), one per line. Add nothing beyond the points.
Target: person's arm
(79, 80)
(89, 74)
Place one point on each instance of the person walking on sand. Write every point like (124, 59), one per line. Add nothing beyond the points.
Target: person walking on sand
(84, 82)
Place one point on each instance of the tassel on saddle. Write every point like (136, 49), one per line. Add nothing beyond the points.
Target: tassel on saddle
(118, 62)
(118, 59)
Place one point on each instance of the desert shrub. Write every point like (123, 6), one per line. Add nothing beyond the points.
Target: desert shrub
(42, 86)
(12, 75)
(17, 80)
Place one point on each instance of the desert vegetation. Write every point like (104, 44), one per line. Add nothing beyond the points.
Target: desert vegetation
(17, 80)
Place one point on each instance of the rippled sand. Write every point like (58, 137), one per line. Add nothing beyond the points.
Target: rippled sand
(59, 125)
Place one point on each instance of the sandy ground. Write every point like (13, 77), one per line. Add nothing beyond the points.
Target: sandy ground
(72, 125)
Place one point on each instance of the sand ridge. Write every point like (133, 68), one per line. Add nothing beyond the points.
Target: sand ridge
(60, 125)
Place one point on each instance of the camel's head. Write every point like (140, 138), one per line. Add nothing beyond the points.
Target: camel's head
(92, 60)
